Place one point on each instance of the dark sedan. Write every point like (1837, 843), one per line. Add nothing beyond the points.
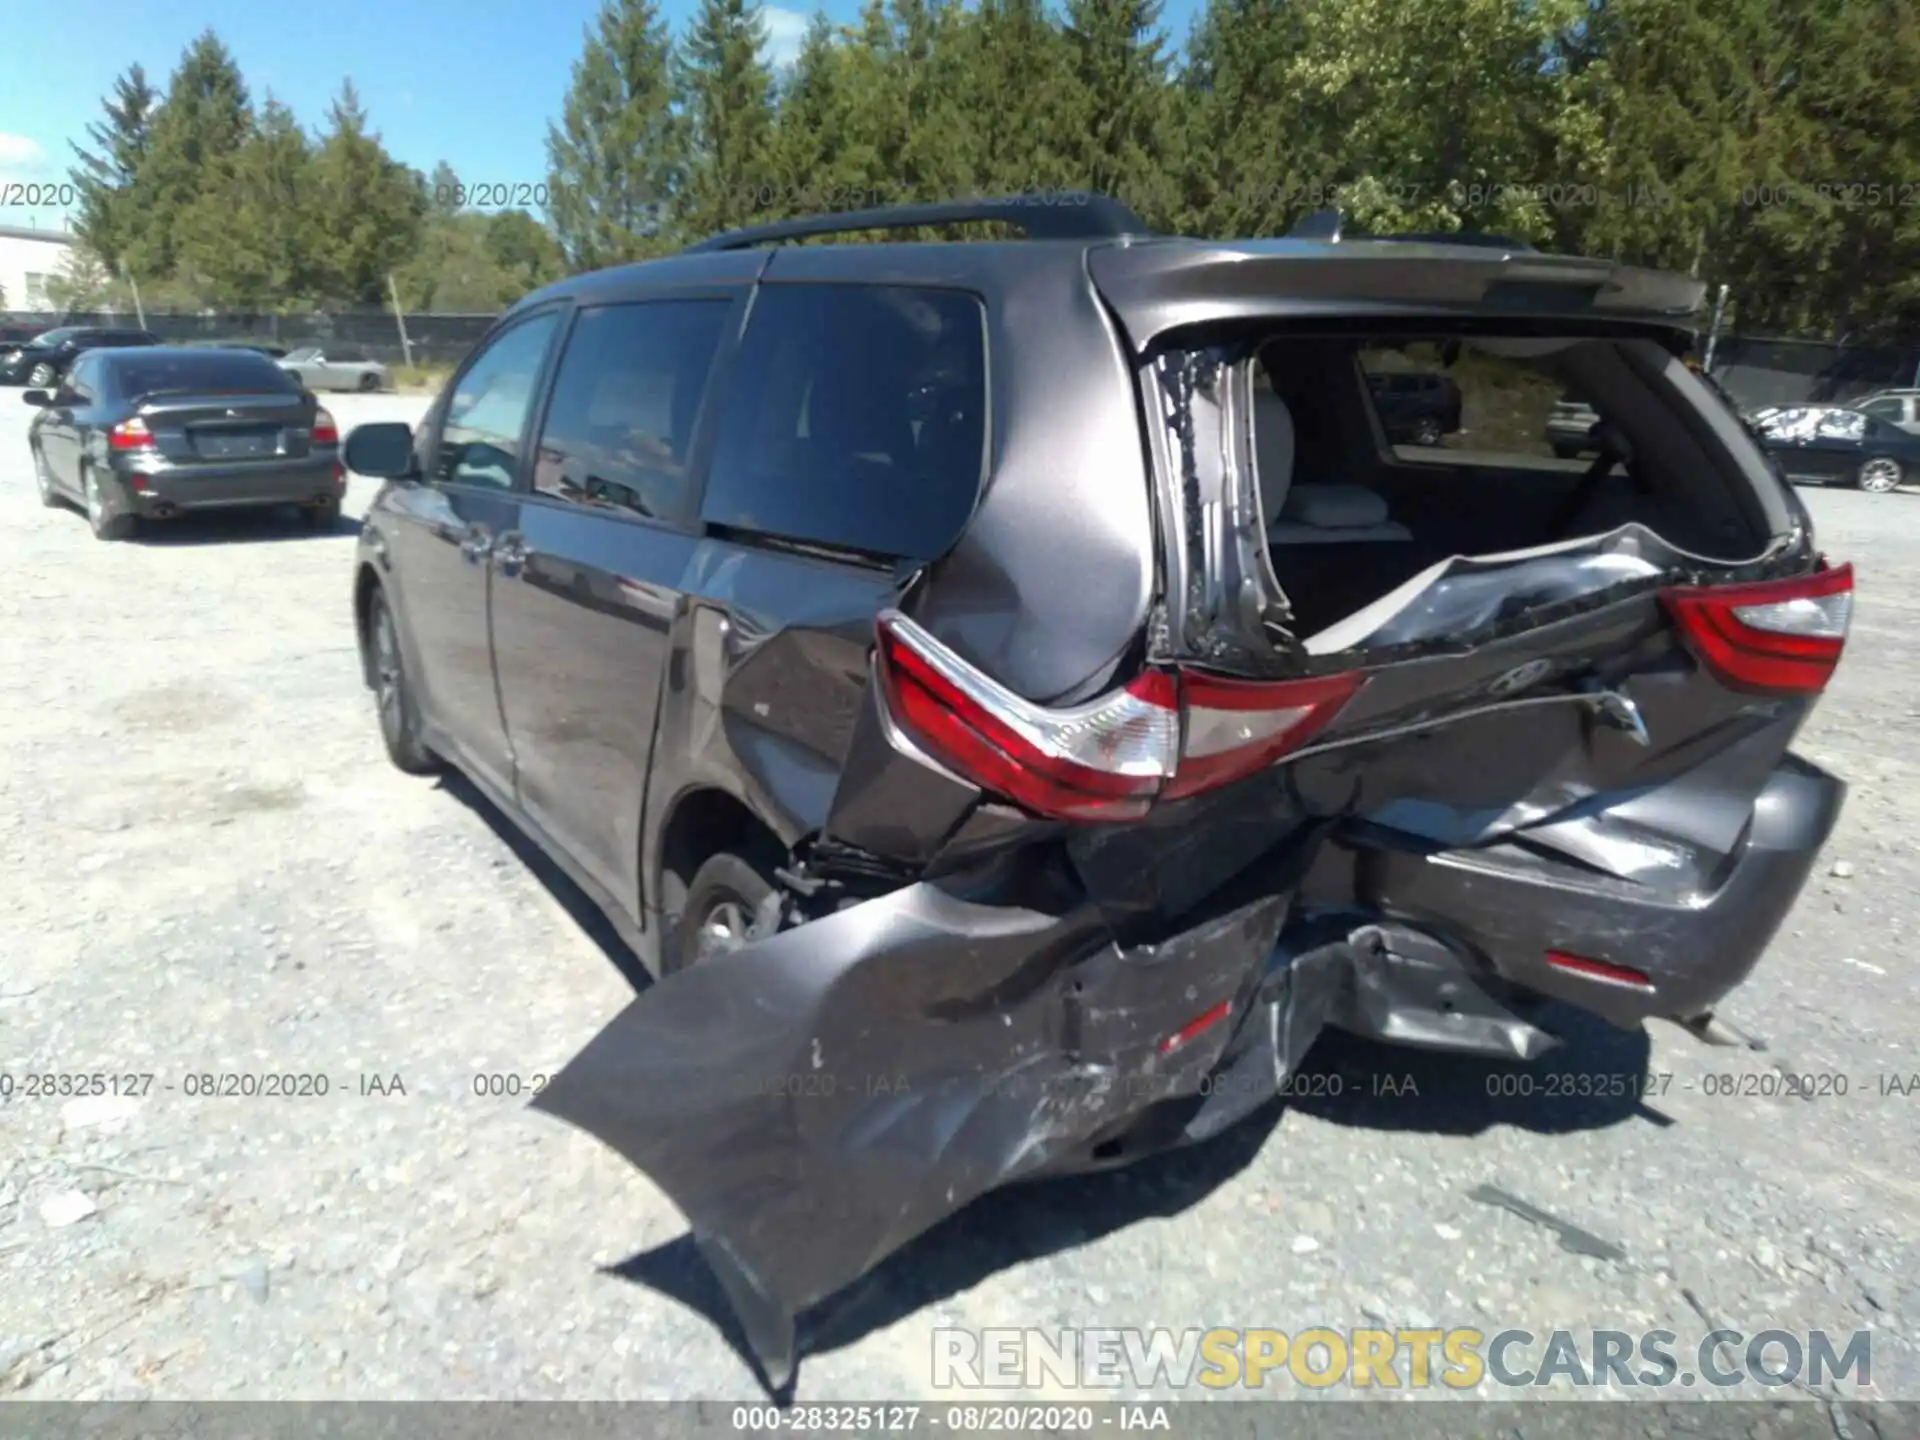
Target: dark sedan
(136, 435)
(50, 354)
(1836, 445)
(1415, 408)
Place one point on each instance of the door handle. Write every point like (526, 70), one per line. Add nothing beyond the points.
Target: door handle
(510, 553)
(476, 546)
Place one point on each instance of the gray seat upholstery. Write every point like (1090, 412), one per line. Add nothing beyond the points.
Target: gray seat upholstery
(1310, 514)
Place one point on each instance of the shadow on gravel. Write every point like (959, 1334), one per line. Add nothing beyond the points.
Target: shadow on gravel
(1596, 1079)
(232, 527)
(584, 913)
(1023, 1222)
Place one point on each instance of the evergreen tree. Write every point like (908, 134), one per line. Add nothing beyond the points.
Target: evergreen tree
(726, 94)
(367, 208)
(105, 175)
(192, 140)
(252, 235)
(1120, 113)
(615, 160)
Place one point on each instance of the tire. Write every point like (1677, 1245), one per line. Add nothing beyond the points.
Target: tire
(730, 901)
(398, 711)
(40, 376)
(43, 481)
(369, 383)
(104, 525)
(1878, 475)
(321, 517)
(1426, 431)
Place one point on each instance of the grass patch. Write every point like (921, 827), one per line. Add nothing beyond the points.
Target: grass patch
(420, 379)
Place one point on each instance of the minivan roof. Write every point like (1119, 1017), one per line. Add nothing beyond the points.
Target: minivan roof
(1156, 283)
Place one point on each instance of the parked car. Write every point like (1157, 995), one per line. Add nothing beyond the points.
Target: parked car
(1837, 445)
(46, 357)
(1416, 407)
(274, 352)
(1896, 407)
(12, 337)
(333, 369)
(150, 434)
(1015, 700)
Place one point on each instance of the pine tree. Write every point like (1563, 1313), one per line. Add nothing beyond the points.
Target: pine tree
(252, 236)
(192, 139)
(104, 177)
(367, 208)
(615, 160)
(1120, 90)
(726, 95)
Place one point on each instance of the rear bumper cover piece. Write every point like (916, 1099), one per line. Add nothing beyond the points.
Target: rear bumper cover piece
(819, 1098)
(278, 481)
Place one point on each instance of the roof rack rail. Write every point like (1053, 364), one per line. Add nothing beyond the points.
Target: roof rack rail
(1055, 215)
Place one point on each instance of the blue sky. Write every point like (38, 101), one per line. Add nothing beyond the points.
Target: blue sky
(473, 82)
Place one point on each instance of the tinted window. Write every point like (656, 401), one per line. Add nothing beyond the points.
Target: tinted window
(83, 381)
(856, 417)
(1887, 407)
(624, 403)
(50, 338)
(487, 414)
(184, 372)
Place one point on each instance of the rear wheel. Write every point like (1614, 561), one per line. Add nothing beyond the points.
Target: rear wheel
(321, 517)
(40, 376)
(731, 902)
(1426, 431)
(399, 714)
(1879, 475)
(105, 523)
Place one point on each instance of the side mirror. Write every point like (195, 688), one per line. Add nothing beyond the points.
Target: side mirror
(383, 449)
(37, 398)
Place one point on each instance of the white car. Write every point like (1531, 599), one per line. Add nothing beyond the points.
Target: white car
(335, 369)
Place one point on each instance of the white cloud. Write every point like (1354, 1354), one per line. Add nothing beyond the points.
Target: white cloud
(786, 29)
(18, 153)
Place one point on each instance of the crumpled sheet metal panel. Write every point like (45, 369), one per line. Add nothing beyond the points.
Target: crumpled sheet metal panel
(818, 1099)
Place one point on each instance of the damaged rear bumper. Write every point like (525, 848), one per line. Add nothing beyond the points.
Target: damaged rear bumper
(816, 1100)
(1688, 934)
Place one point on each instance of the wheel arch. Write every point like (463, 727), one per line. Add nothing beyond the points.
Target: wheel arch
(702, 821)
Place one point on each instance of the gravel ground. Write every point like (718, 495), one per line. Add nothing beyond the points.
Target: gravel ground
(210, 867)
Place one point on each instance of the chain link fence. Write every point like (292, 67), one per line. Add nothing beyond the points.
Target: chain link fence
(437, 340)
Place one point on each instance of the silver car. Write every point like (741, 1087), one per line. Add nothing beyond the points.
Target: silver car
(335, 369)
(1896, 407)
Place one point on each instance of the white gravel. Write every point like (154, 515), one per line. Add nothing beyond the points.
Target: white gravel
(208, 867)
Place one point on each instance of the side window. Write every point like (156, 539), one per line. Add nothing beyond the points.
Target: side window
(625, 398)
(487, 413)
(856, 417)
(1843, 425)
(83, 379)
(1794, 423)
(1887, 407)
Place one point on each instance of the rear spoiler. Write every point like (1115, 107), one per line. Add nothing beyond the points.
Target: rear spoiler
(1158, 285)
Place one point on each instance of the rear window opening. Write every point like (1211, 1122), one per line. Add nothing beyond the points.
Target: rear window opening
(211, 374)
(1366, 461)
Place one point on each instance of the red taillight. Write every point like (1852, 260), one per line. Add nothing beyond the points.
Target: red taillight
(1161, 735)
(1778, 637)
(1105, 760)
(325, 431)
(130, 435)
(1601, 970)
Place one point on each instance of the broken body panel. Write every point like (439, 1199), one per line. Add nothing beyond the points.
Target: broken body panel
(1531, 785)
